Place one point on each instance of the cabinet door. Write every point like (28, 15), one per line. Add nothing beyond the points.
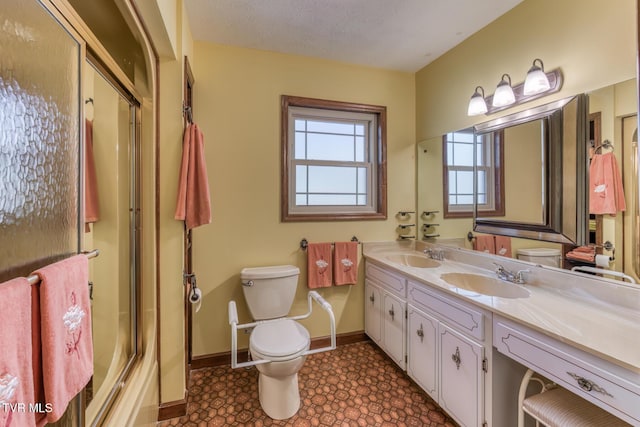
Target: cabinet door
(422, 350)
(461, 378)
(393, 328)
(372, 312)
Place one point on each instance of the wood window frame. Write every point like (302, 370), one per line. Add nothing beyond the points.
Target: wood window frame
(380, 203)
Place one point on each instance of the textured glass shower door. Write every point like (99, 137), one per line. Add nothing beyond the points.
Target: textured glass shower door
(40, 123)
(39, 138)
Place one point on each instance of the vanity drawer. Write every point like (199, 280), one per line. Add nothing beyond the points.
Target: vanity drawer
(462, 317)
(614, 389)
(387, 280)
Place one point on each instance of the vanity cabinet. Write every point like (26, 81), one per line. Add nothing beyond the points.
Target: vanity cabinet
(445, 345)
(386, 311)
(609, 386)
(446, 353)
(423, 350)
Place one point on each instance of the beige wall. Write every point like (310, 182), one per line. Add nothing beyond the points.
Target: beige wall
(591, 41)
(172, 325)
(237, 105)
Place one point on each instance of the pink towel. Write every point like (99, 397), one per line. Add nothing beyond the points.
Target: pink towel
(606, 194)
(345, 262)
(503, 246)
(485, 243)
(319, 265)
(91, 202)
(16, 374)
(67, 347)
(194, 202)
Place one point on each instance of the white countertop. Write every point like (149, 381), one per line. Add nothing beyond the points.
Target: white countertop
(598, 316)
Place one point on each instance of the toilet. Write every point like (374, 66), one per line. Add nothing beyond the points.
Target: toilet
(540, 256)
(278, 345)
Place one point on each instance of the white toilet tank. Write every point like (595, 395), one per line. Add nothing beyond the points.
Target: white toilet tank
(542, 256)
(269, 291)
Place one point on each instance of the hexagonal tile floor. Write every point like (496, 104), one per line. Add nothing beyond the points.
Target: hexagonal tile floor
(354, 385)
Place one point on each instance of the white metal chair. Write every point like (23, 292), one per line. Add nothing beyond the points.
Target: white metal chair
(555, 406)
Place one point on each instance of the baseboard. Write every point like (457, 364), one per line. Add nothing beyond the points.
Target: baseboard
(224, 358)
(174, 409)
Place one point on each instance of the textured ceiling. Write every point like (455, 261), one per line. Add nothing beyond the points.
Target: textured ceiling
(400, 35)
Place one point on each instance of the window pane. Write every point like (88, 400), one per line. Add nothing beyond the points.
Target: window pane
(449, 154)
(300, 124)
(482, 199)
(301, 179)
(465, 199)
(300, 150)
(465, 182)
(330, 127)
(360, 149)
(482, 181)
(329, 147)
(332, 199)
(301, 200)
(452, 182)
(332, 179)
(463, 137)
(362, 200)
(463, 154)
(362, 180)
(359, 129)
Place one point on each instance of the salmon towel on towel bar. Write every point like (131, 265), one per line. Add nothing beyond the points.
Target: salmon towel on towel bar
(194, 202)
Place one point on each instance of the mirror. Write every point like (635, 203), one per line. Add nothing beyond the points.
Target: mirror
(613, 118)
(544, 194)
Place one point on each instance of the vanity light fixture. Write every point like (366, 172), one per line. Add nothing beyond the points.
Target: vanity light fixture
(504, 93)
(536, 81)
(477, 104)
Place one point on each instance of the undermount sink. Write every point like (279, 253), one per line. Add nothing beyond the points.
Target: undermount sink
(412, 260)
(485, 285)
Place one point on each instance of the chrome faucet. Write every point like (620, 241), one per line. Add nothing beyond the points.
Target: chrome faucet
(510, 276)
(437, 254)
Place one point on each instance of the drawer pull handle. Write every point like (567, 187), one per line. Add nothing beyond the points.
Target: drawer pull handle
(456, 358)
(392, 313)
(588, 385)
(372, 299)
(420, 333)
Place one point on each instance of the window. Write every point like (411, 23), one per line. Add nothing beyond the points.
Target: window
(334, 161)
(458, 155)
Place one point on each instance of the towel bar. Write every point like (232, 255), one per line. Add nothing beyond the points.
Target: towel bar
(34, 278)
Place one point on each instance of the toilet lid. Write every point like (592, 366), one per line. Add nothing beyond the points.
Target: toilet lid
(279, 338)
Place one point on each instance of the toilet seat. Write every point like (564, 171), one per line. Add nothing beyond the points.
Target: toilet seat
(279, 340)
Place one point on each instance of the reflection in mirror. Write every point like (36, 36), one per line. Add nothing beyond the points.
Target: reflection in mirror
(613, 113)
(545, 170)
(110, 200)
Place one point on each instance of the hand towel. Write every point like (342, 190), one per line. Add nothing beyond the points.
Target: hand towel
(91, 201)
(194, 201)
(485, 243)
(503, 246)
(582, 253)
(606, 194)
(65, 328)
(16, 372)
(319, 265)
(345, 263)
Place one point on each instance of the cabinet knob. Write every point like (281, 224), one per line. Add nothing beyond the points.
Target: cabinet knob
(392, 313)
(420, 333)
(456, 358)
(372, 298)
